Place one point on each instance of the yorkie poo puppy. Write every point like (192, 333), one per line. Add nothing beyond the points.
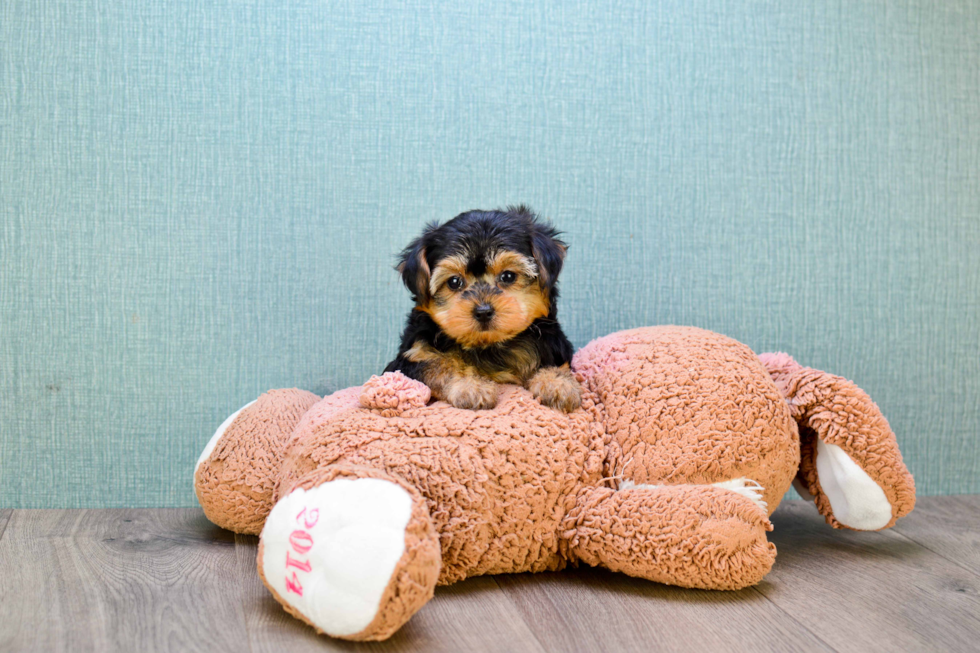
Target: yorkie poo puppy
(485, 287)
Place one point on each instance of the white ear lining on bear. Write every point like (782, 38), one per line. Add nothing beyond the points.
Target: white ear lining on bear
(856, 500)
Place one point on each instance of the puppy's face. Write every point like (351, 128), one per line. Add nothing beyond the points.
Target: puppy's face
(484, 297)
(484, 277)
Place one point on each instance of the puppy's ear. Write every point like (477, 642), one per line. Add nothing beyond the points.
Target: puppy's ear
(414, 268)
(549, 252)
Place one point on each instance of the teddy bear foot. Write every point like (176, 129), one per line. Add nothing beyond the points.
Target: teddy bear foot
(355, 557)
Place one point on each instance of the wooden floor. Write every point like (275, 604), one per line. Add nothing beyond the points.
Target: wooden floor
(149, 580)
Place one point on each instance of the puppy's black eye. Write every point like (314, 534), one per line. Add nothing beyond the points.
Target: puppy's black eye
(455, 283)
(507, 277)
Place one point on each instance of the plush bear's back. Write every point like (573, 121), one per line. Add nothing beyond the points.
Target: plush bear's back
(685, 405)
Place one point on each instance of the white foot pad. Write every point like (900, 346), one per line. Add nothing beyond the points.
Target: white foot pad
(330, 551)
(856, 500)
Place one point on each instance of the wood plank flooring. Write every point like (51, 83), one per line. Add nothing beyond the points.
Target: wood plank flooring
(168, 580)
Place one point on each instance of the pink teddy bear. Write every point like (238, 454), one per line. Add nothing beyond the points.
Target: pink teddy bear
(685, 443)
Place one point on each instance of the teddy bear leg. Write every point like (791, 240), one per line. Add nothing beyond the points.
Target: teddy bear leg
(350, 551)
(699, 536)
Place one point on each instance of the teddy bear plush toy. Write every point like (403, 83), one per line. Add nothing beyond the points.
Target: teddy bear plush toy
(686, 441)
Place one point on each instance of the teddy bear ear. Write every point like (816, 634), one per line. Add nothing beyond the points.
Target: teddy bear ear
(414, 267)
(850, 466)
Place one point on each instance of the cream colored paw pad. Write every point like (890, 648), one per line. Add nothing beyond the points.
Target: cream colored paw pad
(330, 551)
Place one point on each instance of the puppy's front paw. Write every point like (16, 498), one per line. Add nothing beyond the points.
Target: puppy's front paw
(557, 388)
(472, 392)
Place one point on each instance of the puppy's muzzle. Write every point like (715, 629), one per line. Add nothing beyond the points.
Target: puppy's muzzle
(483, 313)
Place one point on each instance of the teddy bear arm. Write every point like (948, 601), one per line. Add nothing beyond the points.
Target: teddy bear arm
(697, 536)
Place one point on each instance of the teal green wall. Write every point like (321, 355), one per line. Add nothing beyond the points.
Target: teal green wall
(201, 201)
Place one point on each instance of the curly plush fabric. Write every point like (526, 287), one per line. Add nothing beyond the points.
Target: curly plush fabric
(673, 535)
(684, 444)
(496, 481)
(234, 485)
(684, 405)
(834, 410)
(393, 396)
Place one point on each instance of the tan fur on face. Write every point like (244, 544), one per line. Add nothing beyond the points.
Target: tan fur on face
(557, 388)
(516, 305)
(451, 266)
(506, 260)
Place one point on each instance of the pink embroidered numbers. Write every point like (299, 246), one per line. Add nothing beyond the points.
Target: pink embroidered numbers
(301, 542)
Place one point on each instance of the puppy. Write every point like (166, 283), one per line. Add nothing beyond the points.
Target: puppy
(485, 287)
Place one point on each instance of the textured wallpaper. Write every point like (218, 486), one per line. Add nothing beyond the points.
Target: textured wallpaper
(202, 201)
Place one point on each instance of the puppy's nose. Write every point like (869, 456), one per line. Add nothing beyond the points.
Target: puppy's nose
(483, 312)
